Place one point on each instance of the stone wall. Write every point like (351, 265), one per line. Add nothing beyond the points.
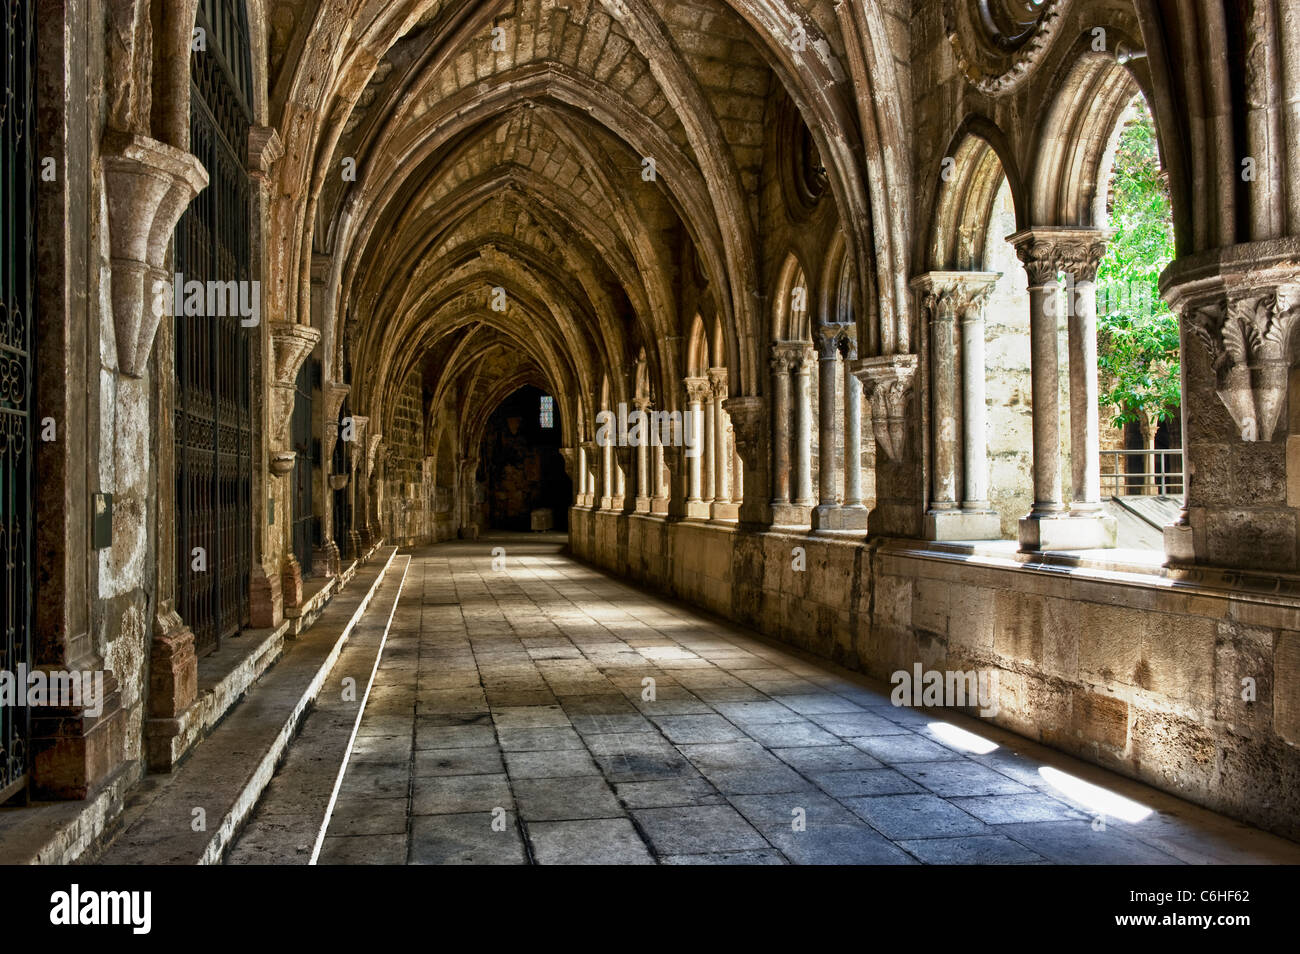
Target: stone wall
(407, 516)
(1128, 670)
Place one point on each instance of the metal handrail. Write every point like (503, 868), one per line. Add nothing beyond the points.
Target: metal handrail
(1161, 473)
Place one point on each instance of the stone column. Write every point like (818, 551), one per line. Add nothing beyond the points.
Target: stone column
(328, 553)
(781, 420)
(710, 457)
(959, 508)
(1237, 310)
(723, 508)
(828, 353)
(1048, 527)
(581, 454)
(852, 425)
(659, 500)
(803, 492)
(1080, 261)
(607, 476)
(592, 456)
(643, 490)
(697, 393)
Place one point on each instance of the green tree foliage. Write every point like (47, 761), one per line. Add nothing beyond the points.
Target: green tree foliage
(1137, 334)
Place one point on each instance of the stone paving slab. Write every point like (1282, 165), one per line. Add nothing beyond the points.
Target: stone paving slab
(515, 726)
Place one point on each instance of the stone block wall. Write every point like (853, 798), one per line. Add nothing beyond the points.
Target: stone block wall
(1188, 688)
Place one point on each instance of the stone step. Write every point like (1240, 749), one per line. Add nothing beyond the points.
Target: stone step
(191, 815)
(289, 818)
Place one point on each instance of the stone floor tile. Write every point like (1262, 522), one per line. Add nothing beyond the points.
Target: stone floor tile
(460, 794)
(605, 841)
(975, 850)
(900, 817)
(698, 830)
(468, 839)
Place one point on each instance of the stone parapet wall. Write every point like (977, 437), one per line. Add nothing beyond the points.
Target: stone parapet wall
(1137, 673)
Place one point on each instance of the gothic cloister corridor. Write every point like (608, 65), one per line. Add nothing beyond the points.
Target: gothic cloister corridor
(522, 690)
(674, 432)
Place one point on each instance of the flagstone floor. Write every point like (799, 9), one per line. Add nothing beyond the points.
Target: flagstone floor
(545, 712)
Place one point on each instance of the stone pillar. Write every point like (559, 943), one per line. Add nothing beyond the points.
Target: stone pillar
(1080, 262)
(803, 492)
(828, 353)
(723, 508)
(781, 420)
(592, 457)
(581, 467)
(852, 426)
(607, 476)
(697, 394)
(887, 383)
(1046, 252)
(959, 456)
(659, 500)
(643, 490)
(327, 554)
(710, 466)
(357, 486)
(1237, 310)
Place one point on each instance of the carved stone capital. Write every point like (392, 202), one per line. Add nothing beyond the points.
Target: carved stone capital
(952, 295)
(887, 381)
(749, 424)
(1248, 340)
(718, 382)
(1241, 304)
(372, 451)
(1046, 252)
(697, 390)
(148, 185)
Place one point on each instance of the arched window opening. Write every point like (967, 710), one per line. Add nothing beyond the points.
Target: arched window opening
(1137, 333)
(794, 432)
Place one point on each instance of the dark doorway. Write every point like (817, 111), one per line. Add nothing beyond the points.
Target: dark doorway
(520, 463)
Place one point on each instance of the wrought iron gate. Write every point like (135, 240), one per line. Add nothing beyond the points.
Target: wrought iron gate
(214, 534)
(303, 517)
(17, 275)
(342, 503)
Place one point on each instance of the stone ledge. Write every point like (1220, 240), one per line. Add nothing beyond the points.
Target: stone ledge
(234, 764)
(58, 833)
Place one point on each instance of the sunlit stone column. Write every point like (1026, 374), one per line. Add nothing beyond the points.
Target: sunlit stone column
(1048, 527)
(582, 475)
(643, 490)
(781, 363)
(828, 354)
(659, 502)
(723, 507)
(607, 476)
(1080, 260)
(803, 492)
(697, 392)
(710, 447)
(853, 514)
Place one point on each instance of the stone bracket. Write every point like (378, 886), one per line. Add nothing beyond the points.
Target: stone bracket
(291, 343)
(887, 380)
(148, 185)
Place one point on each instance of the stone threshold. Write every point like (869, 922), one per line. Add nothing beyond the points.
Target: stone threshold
(222, 778)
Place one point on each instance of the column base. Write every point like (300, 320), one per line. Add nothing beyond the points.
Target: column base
(725, 510)
(642, 504)
(659, 505)
(963, 525)
(327, 557)
(835, 517)
(698, 509)
(790, 515)
(1063, 532)
(291, 587)
(1180, 545)
(266, 599)
(74, 750)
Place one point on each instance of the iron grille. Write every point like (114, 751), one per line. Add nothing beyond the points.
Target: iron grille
(304, 463)
(17, 274)
(213, 375)
(342, 504)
